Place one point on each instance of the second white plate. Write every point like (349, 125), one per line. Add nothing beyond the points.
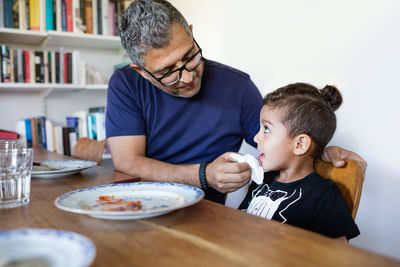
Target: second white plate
(66, 167)
(117, 201)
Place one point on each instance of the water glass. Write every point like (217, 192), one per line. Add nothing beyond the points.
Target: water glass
(12, 144)
(15, 177)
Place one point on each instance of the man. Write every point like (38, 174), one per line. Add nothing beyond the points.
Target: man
(172, 115)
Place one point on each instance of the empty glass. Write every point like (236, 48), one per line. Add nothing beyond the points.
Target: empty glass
(11, 144)
(15, 176)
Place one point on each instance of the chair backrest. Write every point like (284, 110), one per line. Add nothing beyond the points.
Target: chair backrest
(349, 179)
(89, 149)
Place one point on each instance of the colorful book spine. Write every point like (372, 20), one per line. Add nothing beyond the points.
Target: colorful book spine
(68, 7)
(111, 18)
(28, 135)
(43, 131)
(34, 20)
(22, 15)
(8, 17)
(63, 15)
(5, 63)
(88, 16)
(8, 135)
(49, 15)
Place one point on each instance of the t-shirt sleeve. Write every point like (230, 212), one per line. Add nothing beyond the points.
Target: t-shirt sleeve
(250, 116)
(123, 115)
(332, 217)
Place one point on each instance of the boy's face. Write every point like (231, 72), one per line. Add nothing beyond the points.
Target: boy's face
(273, 142)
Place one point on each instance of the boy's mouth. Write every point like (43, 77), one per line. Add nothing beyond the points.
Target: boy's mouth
(260, 157)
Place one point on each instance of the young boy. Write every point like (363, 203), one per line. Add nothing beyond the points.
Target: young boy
(296, 123)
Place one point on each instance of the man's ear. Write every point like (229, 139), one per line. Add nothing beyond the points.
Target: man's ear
(302, 144)
(191, 28)
(138, 70)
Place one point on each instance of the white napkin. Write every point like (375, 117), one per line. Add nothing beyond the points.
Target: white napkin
(257, 171)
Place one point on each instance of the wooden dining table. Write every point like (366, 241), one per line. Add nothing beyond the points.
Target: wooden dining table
(204, 234)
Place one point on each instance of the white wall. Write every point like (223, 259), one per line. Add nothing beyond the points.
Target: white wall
(354, 45)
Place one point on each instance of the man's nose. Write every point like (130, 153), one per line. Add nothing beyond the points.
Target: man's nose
(187, 77)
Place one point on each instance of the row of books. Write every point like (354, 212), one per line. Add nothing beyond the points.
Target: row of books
(78, 16)
(25, 66)
(40, 132)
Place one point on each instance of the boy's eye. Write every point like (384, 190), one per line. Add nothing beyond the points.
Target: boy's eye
(266, 129)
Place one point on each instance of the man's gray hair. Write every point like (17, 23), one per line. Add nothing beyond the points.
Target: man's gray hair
(146, 24)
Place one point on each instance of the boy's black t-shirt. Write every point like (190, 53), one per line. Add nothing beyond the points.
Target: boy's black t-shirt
(312, 203)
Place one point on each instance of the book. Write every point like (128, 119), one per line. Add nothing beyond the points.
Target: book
(68, 8)
(49, 135)
(42, 15)
(14, 69)
(43, 131)
(20, 66)
(2, 13)
(8, 16)
(91, 126)
(88, 16)
(8, 135)
(99, 18)
(20, 128)
(39, 138)
(100, 125)
(34, 132)
(69, 67)
(32, 70)
(75, 67)
(111, 18)
(58, 16)
(39, 67)
(57, 67)
(26, 66)
(65, 73)
(53, 67)
(94, 17)
(34, 21)
(104, 16)
(59, 143)
(5, 63)
(61, 65)
(49, 15)
(66, 139)
(12, 77)
(63, 15)
(28, 130)
(15, 14)
(22, 14)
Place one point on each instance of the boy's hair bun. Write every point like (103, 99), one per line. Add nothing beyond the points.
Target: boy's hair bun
(332, 96)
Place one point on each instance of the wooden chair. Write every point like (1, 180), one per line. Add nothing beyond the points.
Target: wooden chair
(348, 179)
(88, 149)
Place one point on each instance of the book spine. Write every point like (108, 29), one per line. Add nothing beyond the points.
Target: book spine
(22, 14)
(63, 16)
(66, 144)
(39, 66)
(61, 51)
(88, 16)
(68, 7)
(12, 77)
(104, 16)
(5, 63)
(58, 16)
(39, 139)
(34, 21)
(34, 132)
(49, 135)
(75, 67)
(42, 15)
(49, 15)
(21, 130)
(8, 17)
(53, 67)
(28, 134)
(2, 13)
(8, 135)
(100, 125)
(65, 73)
(20, 66)
(99, 17)
(43, 131)
(59, 140)
(94, 17)
(15, 14)
(58, 67)
(32, 71)
(47, 67)
(69, 65)
(111, 18)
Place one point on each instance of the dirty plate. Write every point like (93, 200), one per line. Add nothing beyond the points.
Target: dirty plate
(61, 168)
(127, 201)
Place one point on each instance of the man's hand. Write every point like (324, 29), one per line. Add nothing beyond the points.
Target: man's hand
(227, 176)
(336, 155)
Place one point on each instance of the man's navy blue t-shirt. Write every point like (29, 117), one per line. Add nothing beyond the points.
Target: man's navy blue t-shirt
(185, 130)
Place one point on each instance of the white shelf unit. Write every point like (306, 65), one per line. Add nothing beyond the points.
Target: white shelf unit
(56, 101)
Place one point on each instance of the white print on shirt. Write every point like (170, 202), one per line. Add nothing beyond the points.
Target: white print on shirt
(265, 202)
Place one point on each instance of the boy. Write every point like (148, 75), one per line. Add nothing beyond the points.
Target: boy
(296, 123)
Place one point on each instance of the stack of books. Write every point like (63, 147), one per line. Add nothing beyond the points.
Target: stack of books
(78, 16)
(43, 133)
(25, 66)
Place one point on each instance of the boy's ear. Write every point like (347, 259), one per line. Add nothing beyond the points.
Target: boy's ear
(138, 70)
(302, 144)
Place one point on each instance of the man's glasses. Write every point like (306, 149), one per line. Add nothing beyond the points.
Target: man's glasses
(174, 76)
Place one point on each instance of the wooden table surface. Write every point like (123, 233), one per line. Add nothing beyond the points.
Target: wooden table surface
(205, 234)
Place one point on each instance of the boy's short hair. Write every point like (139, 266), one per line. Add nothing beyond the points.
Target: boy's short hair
(307, 110)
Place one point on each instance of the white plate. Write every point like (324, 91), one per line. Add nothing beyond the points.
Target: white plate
(156, 199)
(67, 167)
(45, 247)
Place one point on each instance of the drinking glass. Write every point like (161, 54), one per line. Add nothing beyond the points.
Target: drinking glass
(15, 177)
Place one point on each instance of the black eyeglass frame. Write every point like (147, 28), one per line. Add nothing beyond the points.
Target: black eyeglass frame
(179, 69)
